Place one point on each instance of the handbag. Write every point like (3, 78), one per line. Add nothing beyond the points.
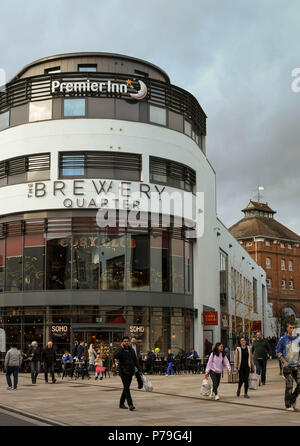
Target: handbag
(205, 388)
(147, 383)
(253, 381)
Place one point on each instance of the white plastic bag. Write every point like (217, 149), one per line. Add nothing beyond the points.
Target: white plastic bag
(147, 383)
(205, 388)
(253, 381)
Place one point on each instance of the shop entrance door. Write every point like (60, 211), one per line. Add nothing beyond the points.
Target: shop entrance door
(105, 342)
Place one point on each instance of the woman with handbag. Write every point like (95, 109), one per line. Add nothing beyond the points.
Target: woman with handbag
(215, 365)
(243, 363)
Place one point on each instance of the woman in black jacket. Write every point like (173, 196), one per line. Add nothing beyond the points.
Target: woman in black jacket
(35, 361)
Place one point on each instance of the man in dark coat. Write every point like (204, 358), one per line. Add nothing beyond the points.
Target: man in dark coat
(136, 350)
(127, 363)
(49, 360)
(262, 350)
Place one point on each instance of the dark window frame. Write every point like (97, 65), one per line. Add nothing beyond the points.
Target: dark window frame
(174, 166)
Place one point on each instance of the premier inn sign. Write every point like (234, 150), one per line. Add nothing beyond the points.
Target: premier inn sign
(91, 87)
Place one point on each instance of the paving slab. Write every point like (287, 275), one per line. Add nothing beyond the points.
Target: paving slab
(175, 401)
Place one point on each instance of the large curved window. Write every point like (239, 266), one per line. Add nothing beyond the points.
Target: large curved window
(52, 255)
(118, 166)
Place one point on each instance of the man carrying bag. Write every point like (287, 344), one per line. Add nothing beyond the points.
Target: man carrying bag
(127, 363)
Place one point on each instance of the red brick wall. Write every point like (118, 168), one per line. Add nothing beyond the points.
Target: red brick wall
(278, 296)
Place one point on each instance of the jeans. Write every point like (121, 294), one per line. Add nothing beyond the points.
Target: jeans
(126, 380)
(170, 368)
(291, 374)
(49, 368)
(261, 367)
(216, 378)
(35, 367)
(12, 370)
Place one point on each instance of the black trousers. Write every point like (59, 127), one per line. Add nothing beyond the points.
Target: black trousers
(261, 367)
(126, 380)
(49, 368)
(244, 378)
(139, 380)
(216, 378)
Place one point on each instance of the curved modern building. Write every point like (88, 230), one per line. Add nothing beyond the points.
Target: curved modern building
(87, 141)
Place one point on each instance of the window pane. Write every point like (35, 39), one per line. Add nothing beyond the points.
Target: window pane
(59, 264)
(156, 261)
(34, 264)
(189, 271)
(158, 115)
(74, 107)
(177, 266)
(112, 262)
(166, 263)
(187, 128)
(72, 165)
(39, 111)
(85, 262)
(139, 261)
(4, 121)
(86, 68)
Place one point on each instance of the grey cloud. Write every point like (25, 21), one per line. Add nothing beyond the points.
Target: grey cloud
(236, 57)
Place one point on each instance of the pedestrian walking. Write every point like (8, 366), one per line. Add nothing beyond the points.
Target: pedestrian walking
(136, 350)
(262, 351)
(170, 360)
(35, 361)
(12, 363)
(243, 363)
(49, 360)
(100, 369)
(92, 356)
(287, 350)
(214, 368)
(127, 363)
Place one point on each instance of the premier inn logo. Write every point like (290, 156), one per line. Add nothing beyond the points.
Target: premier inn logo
(139, 87)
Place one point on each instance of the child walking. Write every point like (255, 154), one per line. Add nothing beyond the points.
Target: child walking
(99, 366)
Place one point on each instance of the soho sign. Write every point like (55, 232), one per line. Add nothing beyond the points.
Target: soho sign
(99, 87)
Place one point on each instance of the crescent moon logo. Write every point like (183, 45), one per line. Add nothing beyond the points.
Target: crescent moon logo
(142, 93)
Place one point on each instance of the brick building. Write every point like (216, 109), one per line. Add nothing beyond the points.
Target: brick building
(277, 249)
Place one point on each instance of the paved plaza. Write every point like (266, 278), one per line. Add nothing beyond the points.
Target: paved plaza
(175, 401)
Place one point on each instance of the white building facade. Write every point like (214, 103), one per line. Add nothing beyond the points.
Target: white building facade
(91, 144)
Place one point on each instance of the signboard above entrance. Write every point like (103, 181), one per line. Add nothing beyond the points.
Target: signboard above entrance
(210, 318)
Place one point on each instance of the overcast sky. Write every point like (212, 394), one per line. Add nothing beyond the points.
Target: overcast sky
(234, 56)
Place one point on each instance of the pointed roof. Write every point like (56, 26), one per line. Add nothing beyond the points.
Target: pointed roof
(256, 206)
(260, 225)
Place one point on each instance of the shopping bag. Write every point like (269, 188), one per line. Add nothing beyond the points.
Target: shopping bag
(147, 383)
(253, 381)
(205, 388)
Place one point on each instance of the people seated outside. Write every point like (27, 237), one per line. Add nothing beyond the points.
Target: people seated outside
(193, 354)
(67, 363)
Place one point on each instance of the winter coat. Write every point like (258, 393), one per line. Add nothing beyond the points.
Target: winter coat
(34, 354)
(13, 358)
(48, 355)
(127, 361)
(238, 358)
